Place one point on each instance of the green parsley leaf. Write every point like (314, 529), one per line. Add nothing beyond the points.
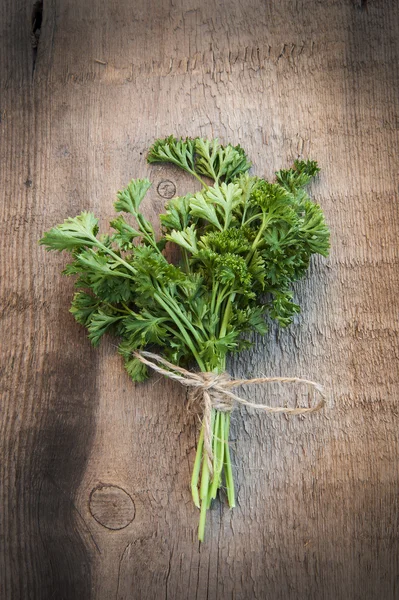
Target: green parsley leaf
(201, 206)
(187, 238)
(72, 234)
(99, 323)
(171, 150)
(83, 307)
(130, 198)
(125, 233)
(137, 371)
(217, 161)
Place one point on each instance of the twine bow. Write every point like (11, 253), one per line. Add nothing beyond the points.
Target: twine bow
(213, 390)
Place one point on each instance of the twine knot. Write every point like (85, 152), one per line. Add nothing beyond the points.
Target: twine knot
(213, 391)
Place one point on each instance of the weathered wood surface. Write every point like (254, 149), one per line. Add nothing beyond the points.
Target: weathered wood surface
(94, 470)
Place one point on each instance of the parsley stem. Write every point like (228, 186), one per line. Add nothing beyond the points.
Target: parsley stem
(218, 452)
(228, 472)
(215, 286)
(244, 214)
(253, 218)
(192, 172)
(182, 329)
(196, 470)
(204, 490)
(186, 262)
(204, 481)
(176, 307)
(265, 222)
(146, 234)
(202, 182)
(212, 488)
(202, 521)
(208, 487)
(227, 314)
(113, 307)
(174, 333)
(222, 297)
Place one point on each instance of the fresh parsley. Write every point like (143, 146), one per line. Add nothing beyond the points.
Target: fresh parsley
(243, 241)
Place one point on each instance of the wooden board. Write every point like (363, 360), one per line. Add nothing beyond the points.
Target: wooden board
(94, 469)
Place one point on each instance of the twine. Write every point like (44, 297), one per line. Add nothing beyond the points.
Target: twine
(213, 391)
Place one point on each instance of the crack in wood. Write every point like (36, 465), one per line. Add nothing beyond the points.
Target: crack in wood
(127, 549)
(36, 26)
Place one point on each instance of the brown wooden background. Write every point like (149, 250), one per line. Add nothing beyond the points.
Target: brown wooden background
(317, 514)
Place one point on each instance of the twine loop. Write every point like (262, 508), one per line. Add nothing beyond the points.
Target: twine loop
(212, 390)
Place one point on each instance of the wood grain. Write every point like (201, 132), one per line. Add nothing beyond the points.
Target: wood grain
(317, 514)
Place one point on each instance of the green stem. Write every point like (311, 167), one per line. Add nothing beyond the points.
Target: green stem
(202, 182)
(175, 333)
(227, 313)
(265, 221)
(215, 450)
(244, 213)
(218, 453)
(173, 304)
(253, 218)
(215, 287)
(202, 520)
(222, 295)
(186, 262)
(182, 329)
(205, 476)
(228, 472)
(204, 490)
(196, 470)
(208, 486)
(113, 307)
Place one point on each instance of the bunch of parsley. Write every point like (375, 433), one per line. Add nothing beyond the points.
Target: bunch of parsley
(243, 241)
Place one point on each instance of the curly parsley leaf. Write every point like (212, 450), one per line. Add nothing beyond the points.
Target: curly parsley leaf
(72, 234)
(217, 161)
(100, 322)
(242, 243)
(130, 198)
(172, 150)
(83, 307)
(199, 156)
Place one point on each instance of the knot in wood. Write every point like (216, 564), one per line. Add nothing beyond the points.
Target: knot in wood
(111, 506)
(166, 189)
